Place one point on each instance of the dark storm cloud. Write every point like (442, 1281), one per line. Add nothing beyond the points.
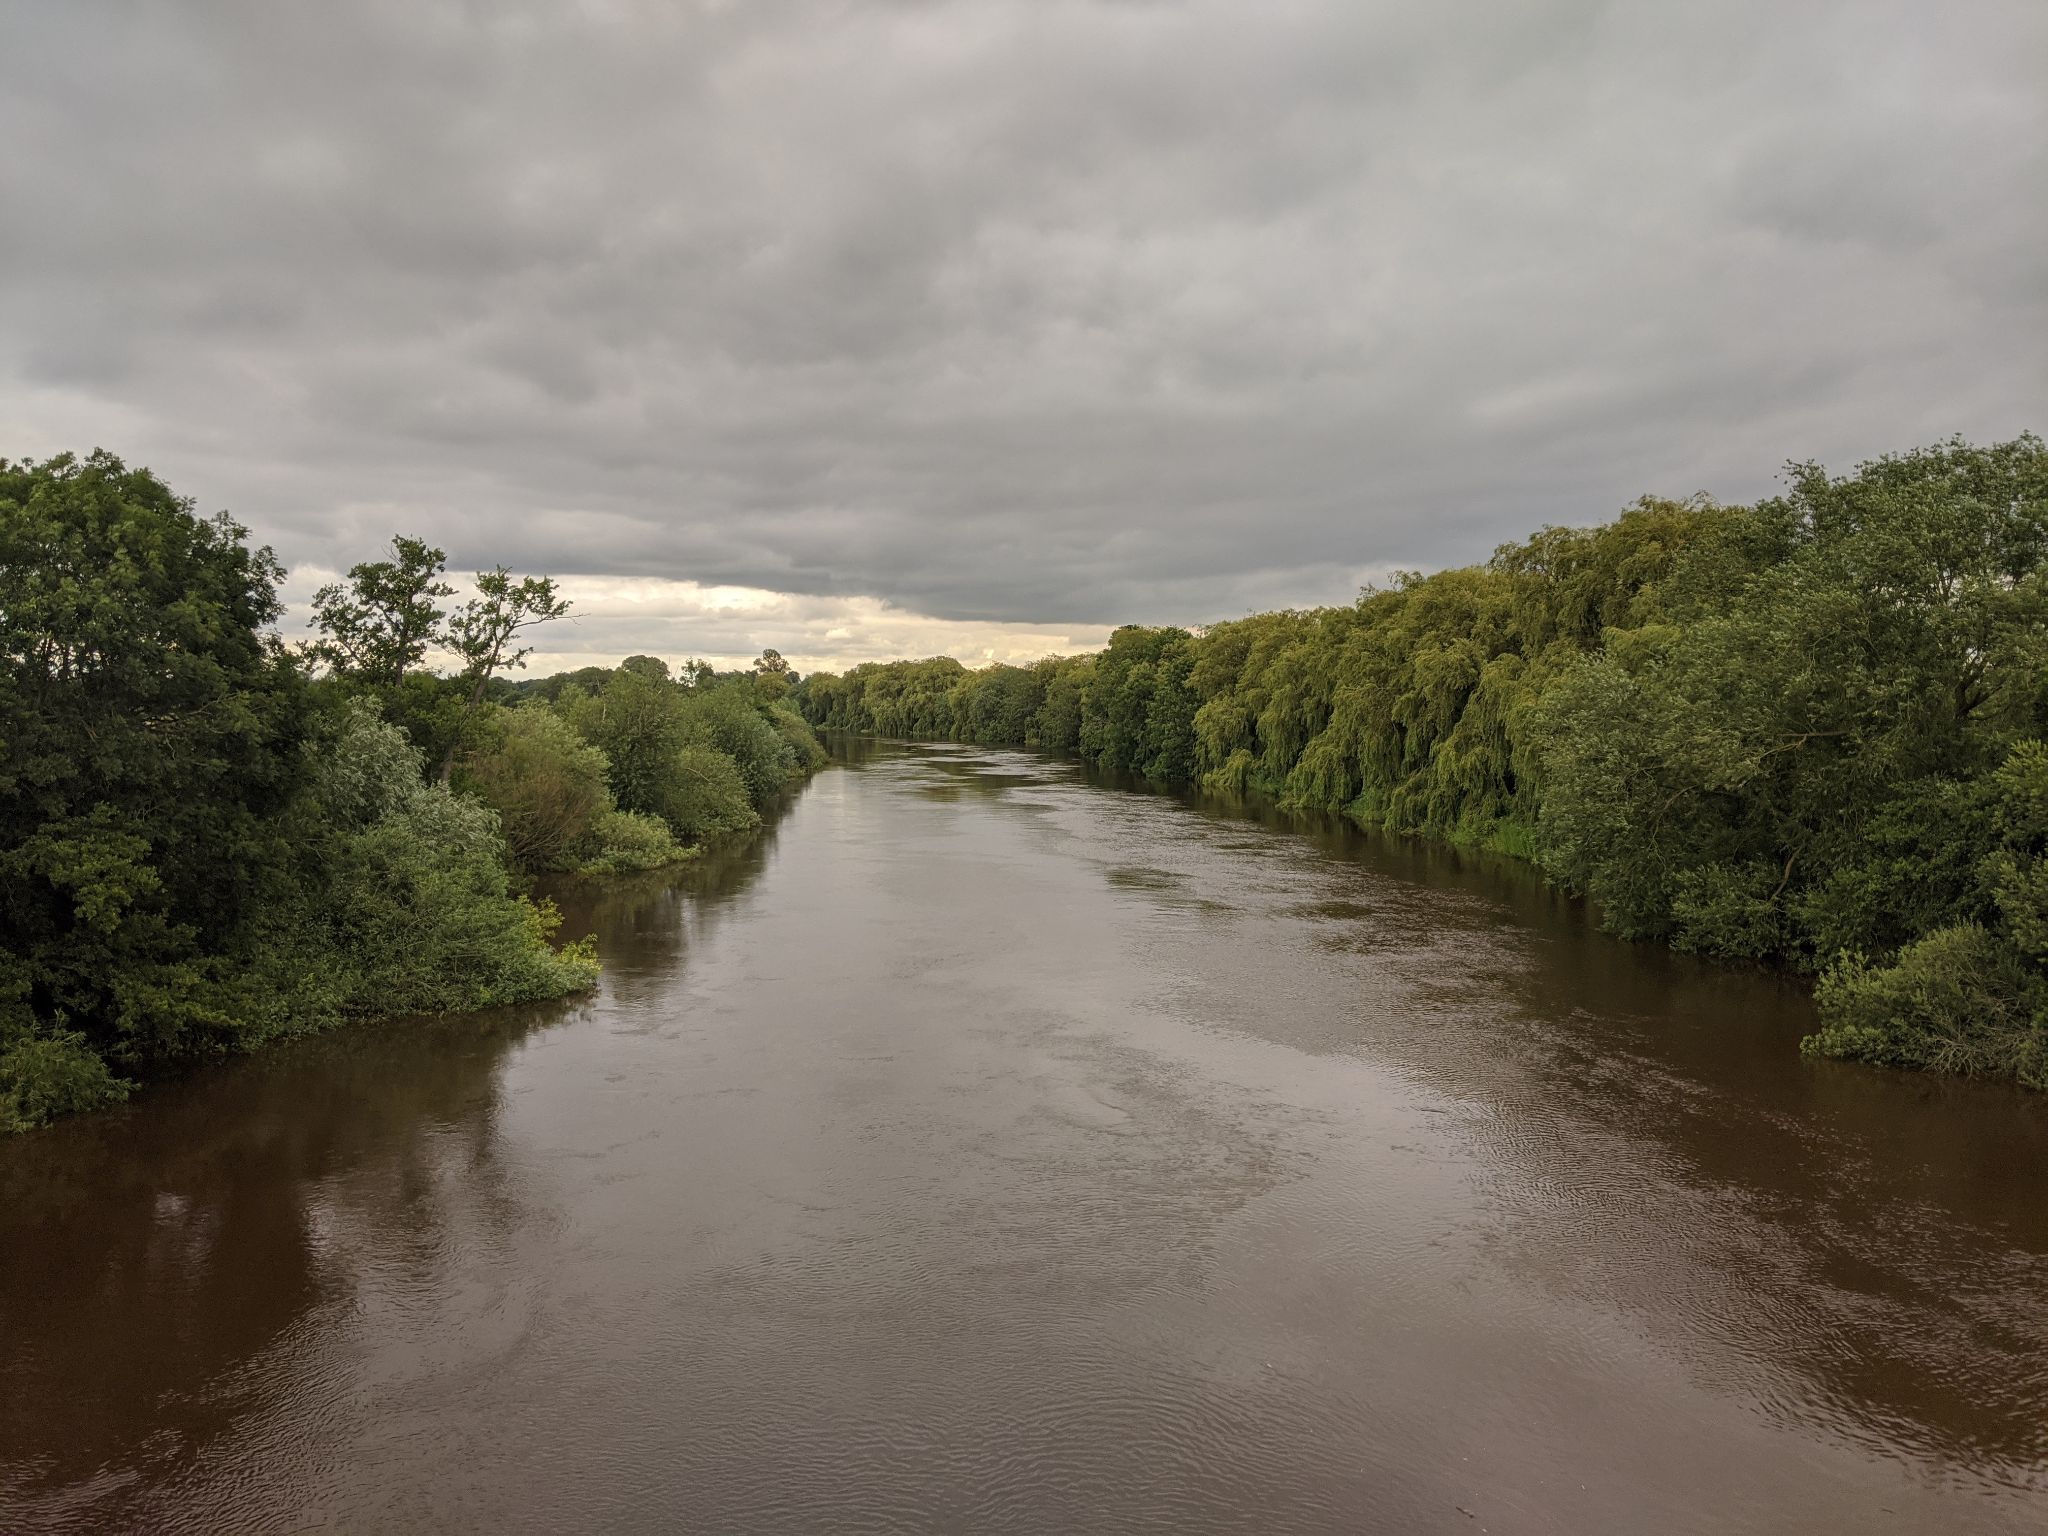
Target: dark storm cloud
(1050, 311)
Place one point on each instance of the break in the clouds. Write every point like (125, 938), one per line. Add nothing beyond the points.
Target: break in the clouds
(613, 617)
(1007, 313)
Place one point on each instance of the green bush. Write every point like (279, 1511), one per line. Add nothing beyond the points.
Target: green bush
(547, 785)
(706, 760)
(636, 721)
(400, 901)
(707, 797)
(1958, 1000)
(729, 720)
(45, 1076)
(622, 842)
(806, 751)
(1729, 910)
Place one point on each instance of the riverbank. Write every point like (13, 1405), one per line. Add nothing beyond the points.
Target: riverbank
(211, 840)
(977, 1148)
(1808, 732)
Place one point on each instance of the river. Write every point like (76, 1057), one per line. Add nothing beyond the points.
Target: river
(987, 1149)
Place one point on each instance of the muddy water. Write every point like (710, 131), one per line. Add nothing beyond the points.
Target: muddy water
(985, 1149)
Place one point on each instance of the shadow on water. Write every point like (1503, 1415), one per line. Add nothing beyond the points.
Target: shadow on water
(201, 1245)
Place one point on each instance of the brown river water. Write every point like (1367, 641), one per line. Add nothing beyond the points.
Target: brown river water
(986, 1149)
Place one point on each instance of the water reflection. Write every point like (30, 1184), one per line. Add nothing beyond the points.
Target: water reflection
(197, 1261)
(1649, 1135)
(983, 1147)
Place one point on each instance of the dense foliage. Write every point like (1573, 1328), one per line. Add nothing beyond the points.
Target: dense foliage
(687, 759)
(1806, 731)
(208, 841)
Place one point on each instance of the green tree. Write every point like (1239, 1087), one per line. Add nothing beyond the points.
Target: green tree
(378, 624)
(1736, 777)
(636, 720)
(707, 798)
(1969, 996)
(150, 732)
(483, 630)
(547, 785)
(731, 720)
(396, 899)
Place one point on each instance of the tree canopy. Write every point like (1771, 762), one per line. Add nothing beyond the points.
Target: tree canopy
(208, 840)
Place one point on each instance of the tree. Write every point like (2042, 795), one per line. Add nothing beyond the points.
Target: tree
(151, 733)
(545, 782)
(1784, 765)
(483, 629)
(772, 677)
(380, 621)
(636, 721)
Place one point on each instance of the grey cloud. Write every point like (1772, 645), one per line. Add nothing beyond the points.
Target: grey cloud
(1003, 310)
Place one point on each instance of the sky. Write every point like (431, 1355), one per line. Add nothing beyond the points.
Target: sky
(980, 326)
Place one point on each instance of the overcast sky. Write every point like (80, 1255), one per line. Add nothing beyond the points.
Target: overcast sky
(981, 325)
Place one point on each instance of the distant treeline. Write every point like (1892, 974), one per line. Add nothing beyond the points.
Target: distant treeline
(210, 839)
(1808, 731)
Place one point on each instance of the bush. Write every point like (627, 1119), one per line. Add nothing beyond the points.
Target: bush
(636, 721)
(621, 842)
(1958, 1000)
(44, 1076)
(705, 761)
(1728, 910)
(548, 787)
(399, 901)
(707, 797)
(727, 720)
(806, 751)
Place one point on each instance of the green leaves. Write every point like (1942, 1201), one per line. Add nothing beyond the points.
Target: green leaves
(483, 629)
(378, 624)
(705, 760)
(47, 1076)
(150, 732)
(101, 869)
(1806, 731)
(190, 861)
(1876, 653)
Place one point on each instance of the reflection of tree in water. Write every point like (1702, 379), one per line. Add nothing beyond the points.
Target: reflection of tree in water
(1877, 1234)
(165, 1262)
(647, 923)
(1872, 1241)
(188, 1264)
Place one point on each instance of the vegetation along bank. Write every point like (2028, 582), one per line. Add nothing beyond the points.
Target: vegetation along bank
(1808, 731)
(210, 839)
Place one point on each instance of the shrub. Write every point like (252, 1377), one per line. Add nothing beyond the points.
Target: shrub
(44, 1076)
(1729, 910)
(621, 842)
(727, 720)
(1958, 1000)
(806, 751)
(636, 721)
(707, 796)
(399, 901)
(548, 787)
